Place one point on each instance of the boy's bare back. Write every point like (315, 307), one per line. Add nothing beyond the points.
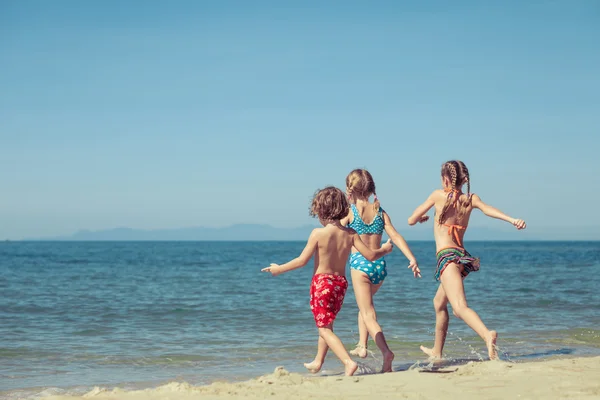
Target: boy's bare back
(334, 243)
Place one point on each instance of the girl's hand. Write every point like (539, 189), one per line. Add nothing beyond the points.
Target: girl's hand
(273, 269)
(519, 224)
(415, 268)
(424, 218)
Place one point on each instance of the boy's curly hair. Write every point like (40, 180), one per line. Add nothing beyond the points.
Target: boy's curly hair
(329, 204)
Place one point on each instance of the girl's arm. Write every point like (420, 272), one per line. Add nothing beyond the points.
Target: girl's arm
(402, 245)
(370, 254)
(495, 213)
(346, 220)
(419, 214)
(298, 262)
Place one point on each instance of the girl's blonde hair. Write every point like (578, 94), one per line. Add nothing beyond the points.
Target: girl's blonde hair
(360, 184)
(458, 174)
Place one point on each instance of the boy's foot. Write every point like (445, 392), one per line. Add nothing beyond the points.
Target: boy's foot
(350, 367)
(313, 367)
(360, 351)
(430, 352)
(491, 345)
(387, 362)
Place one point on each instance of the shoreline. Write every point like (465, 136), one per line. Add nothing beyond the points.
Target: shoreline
(555, 378)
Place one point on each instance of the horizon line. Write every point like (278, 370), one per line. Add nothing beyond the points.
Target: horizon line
(274, 240)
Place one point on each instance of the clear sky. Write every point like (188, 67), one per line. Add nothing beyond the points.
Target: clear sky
(153, 114)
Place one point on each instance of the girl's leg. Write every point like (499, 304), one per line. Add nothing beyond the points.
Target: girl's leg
(338, 348)
(317, 363)
(363, 333)
(453, 286)
(440, 304)
(364, 299)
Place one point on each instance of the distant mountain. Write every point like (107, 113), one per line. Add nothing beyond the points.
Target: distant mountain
(234, 232)
(267, 232)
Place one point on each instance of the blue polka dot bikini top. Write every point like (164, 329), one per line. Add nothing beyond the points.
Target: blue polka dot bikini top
(375, 227)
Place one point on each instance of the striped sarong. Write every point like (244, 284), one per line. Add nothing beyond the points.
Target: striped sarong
(456, 255)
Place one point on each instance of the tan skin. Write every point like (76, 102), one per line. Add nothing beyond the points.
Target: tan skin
(331, 246)
(451, 289)
(364, 290)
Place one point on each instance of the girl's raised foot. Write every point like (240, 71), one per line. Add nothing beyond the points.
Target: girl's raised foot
(350, 367)
(491, 345)
(430, 353)
(313, 367)
(360, 351)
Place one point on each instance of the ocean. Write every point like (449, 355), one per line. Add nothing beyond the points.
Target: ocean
(75, 315)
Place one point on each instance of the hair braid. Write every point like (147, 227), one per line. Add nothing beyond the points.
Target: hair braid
(451, 170)
(465, 178)
(452, 174)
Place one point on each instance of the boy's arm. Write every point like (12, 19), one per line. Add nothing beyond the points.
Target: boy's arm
(370, 254)
(419, 214)
(399, 241)
(495, 213)
(298, 262)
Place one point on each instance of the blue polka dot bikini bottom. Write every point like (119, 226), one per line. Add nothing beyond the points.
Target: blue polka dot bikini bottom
(375, 270)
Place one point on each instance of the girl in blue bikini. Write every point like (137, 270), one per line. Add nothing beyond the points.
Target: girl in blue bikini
(367, 276)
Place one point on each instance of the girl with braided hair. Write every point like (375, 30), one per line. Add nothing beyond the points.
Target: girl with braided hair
(454, 263)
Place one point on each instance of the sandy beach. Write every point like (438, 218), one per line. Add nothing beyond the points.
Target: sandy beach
(575, 378)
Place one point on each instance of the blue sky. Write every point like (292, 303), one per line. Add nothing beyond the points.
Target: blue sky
(189, 113)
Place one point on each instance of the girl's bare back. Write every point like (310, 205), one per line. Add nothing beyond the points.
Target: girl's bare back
(452, 231)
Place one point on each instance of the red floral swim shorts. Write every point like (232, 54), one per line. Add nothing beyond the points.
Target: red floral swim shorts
(326, 297)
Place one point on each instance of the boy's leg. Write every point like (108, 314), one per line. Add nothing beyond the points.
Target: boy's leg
(440, 304)
(455, 291)
(338, 348)
(364, 299)
(317, 363)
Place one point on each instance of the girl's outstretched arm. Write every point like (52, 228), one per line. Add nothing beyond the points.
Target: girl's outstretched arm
(368, 253)
(495, 213)
(298, 262)
(401, 243)
(419, 214)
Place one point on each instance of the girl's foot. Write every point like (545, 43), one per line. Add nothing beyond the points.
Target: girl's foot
(360, 351)
(313, 367)
(350, 367)
(491, 345)
(430, 352)
(387, 362)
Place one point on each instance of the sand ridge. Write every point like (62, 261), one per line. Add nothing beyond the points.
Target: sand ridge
(572, 378)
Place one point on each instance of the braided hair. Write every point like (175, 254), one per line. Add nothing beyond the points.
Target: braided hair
(458, 174)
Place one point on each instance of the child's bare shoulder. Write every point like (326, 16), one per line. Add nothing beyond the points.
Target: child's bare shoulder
(438, 194)
(317, 232)
(349, 231)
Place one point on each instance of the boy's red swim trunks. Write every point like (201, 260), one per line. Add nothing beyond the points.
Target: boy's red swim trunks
(326, 297)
